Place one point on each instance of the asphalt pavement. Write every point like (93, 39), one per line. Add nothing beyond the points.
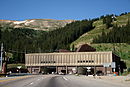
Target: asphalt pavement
(57, 81)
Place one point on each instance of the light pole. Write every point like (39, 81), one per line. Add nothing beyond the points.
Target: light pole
(1, 58)
(19, 67)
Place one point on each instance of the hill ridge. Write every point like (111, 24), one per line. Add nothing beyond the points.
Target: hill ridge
(37, 24)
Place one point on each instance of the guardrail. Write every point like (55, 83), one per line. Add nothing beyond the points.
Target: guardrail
(18, 74)
(2, 75)
(14, 74)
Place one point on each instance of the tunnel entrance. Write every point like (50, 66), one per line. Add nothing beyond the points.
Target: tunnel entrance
(48, 70)
(63, 71)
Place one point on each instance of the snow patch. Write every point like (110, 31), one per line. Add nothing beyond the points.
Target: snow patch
(26, 22)
(19, 22)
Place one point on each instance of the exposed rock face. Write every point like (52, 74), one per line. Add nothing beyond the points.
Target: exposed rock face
(38, 24)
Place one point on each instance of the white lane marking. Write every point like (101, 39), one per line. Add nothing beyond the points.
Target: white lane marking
(65, 78)
(43, 77)
(38, 79)
(31, 83)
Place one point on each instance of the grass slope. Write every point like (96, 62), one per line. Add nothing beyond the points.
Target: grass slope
(88, 37)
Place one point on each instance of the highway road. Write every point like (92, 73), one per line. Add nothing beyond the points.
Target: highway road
(57, 81)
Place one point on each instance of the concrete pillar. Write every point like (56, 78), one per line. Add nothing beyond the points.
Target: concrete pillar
(77, 69)
(94, 70)
(105, 70)
(31, 69)
(66, 70)
(39, 69)
(56, 69)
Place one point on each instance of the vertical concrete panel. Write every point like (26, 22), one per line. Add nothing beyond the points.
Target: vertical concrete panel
(54, 57)
(101, 58)
(87, 58)
(67, 58)
(27, 59)
(111, 60)
(40, 60)
(107, 58)
(74, 59)
(84, 60)
(32, 59)
(90, 58)
(44, 59)
(62, 58)
(71, 58)
(36, 57)
(57, 59)
(97, 58)
(79, 59)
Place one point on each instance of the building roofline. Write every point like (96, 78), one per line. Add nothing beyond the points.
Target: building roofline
(69, 52)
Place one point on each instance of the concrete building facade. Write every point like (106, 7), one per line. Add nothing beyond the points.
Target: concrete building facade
(71, 62)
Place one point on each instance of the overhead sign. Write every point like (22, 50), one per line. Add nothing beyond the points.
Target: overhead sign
(19, 67)
(88, 68)
(106, 64)
(113, 65)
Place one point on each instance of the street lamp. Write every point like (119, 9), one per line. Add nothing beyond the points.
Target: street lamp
(19, 67)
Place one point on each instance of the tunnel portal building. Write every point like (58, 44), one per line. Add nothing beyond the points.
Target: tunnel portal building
(71, 62)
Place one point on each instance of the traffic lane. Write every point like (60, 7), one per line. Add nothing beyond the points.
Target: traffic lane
(57, 81)
(51, 81)
(42, 82)
(24, 82)
(75, 81)
(60, 81)
(85, 81)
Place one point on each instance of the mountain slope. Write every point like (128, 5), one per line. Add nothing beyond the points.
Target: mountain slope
(37, 24)
(99, 26)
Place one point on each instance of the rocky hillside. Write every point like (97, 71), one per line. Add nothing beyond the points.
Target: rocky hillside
(37, 24)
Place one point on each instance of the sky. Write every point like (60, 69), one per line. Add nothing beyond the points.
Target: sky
(61, 9)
